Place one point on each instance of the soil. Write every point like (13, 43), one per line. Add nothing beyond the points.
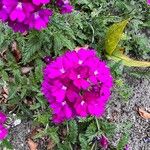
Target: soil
(118, 111)
(122, 112)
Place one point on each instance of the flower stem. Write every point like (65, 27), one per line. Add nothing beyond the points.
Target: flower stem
(70, 146)
(67, 128)
(92, 148)
(97, 123)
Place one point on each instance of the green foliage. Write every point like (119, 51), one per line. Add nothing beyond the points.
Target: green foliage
(43, 118)
(107, 128)
(123, 89)
(123, 141)
(88, 24)
(140, 74)
(83, 142)
(5, 144)
(51, 132)
(73, 132)
(113, 37)
(125, 129)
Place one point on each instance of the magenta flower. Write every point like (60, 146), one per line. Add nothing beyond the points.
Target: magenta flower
(39, 20)
(3, 13)
(66, 9)
(3, 132)
(2, 118)
(23, 15)
(127, 147)
(77, 83)
(18, 13)
(148, 2)
(39, 2)
(64, 6)
(104, 142)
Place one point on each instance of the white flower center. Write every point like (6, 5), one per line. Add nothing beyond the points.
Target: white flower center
(80, 62)
(82, 103)
(36, 15)
(19, 5)
(78, 76)
(64, 103)
(95, 72)
(66, 1)
(4, 7)
(62, 70)
(64, 87)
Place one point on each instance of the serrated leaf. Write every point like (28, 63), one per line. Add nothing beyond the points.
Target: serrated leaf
(61, 41)
(114, 35)
(44, 118)
(73, 131)
(52, 132)
(4, 75)
(83, 142)
(107, 128)
(91, 132)
(63, 146)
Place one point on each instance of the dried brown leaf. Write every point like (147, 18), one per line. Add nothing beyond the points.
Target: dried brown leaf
(32, 145)
(50, 145)
(25, 70)
(16, 52)
(144, 114)
(3, 54)
(3, 95)
(85, 47)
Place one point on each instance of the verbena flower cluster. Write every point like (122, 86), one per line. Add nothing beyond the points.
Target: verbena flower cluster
(3, 130)
(23, 15)
(77, 83)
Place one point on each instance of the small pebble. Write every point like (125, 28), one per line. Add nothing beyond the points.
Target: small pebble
(146, 139)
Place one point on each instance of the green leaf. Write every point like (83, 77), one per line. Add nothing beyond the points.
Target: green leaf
(123, 141)
(73, 131)
(35, 106)
(63, 146)
(83, 142)
(107, 128)
(12, 92)
(114, 35)
(119, 56)
(91, 132)
(43, 118)
(6, 145)
(61, 41)
(4, 75)
(34, 45)
(52, 132)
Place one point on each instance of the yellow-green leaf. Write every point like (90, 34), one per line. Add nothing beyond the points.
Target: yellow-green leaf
(114, 35)
(119, 56)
